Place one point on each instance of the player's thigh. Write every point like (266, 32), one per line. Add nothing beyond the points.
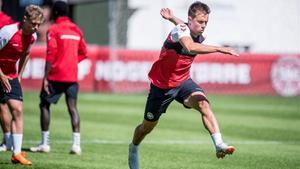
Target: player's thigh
(2, 95)
(4, 108)
(14, 98)
(16, 107)
(71, 93)
(5, 116)
(71, 90)
(157, 102)
(56, 89)
(196, 100)
(190, 94)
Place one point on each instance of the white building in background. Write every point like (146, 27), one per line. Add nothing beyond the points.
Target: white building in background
(267, 26)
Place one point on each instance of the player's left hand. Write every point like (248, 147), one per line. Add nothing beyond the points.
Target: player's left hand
(230, 51)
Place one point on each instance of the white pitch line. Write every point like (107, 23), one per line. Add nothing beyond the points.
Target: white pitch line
(167, 142)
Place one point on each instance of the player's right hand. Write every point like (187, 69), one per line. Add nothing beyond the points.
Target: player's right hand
(5, 83)
(46, 86)
(166, 13)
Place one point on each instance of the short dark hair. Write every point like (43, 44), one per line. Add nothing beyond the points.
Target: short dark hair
(60, 8)
(198, 6)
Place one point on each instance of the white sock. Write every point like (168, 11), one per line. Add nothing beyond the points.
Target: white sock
(45, 137)
(217, 138)
(8, 140)
(17, 143)
(76, 139)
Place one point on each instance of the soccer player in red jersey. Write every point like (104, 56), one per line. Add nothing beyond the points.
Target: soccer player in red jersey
(15, 43)
(66, 47)
(5, 117)
(4, 19)
(170, 80)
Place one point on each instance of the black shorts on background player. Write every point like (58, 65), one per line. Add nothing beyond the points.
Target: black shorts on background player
(56, 89)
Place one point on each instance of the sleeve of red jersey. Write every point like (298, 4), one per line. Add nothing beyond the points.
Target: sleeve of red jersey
(82, 50)
(6, 20)
(179, 31)
(51, 46)
(10, 20)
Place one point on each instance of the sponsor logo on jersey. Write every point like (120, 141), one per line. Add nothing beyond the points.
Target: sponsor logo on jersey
(183, 27)
(71, 37)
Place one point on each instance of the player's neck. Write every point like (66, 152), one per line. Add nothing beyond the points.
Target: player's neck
(194, 35)
(26, 32)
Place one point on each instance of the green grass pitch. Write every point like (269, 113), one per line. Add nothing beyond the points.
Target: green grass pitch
(264, 129)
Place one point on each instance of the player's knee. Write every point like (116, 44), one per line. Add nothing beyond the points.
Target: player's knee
(44, 104)
(18, 111)
(72, 111)
(203, 105)
(17, 114)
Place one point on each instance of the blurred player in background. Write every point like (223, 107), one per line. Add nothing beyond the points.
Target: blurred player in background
(15, 43)
(170, 80)
(42, 32)
(66, 47)
(5, 117)
(4, 19)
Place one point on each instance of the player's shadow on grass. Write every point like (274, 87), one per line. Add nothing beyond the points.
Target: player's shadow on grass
(26, 149)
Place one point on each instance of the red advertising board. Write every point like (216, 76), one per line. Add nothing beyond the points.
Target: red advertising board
(126, 71)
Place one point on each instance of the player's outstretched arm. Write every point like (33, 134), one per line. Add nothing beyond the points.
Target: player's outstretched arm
(228, 50)
(167, 14)
(22, 63)
(193, 47)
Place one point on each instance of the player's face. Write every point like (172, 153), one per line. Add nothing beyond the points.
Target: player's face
(198, 23)
(31, 26)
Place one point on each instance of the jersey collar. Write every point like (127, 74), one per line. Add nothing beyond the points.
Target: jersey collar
(62, 19)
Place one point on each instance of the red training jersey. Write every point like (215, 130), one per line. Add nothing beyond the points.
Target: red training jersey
(5, 20)
(13, 44)
(66, 47)
(174, 63)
